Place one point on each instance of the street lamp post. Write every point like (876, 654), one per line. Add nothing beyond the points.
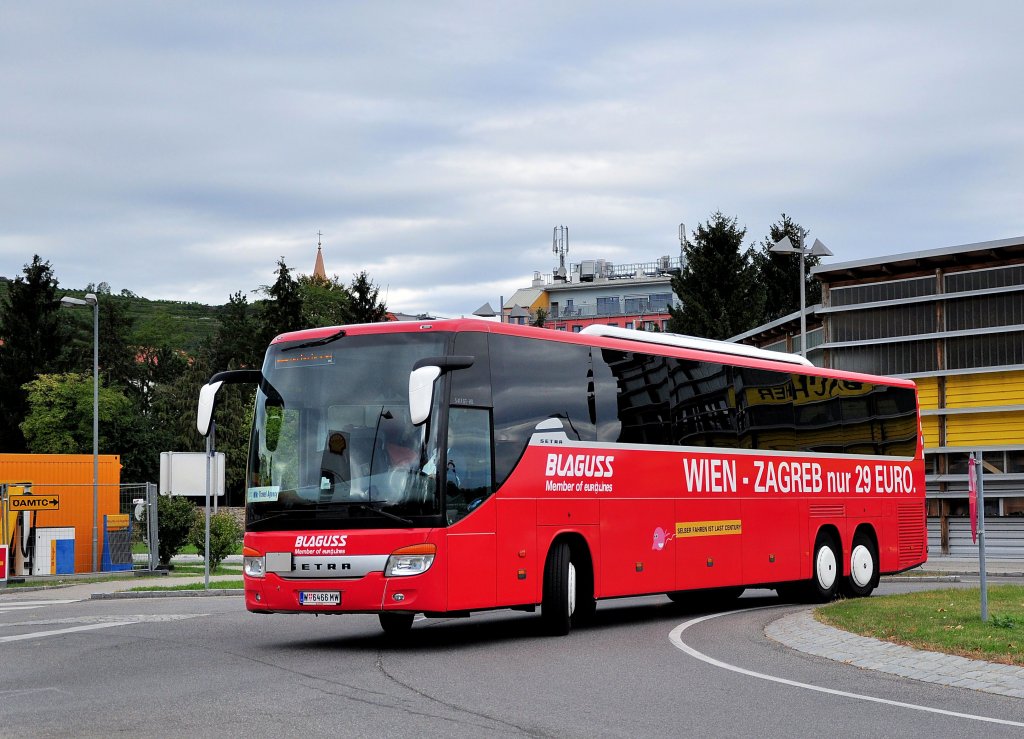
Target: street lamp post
(90, 299)
(817, 249)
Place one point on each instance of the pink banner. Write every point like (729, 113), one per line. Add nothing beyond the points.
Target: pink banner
(972, 486)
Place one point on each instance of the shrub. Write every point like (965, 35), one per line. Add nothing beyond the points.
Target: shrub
(225, 535)
(174, 515)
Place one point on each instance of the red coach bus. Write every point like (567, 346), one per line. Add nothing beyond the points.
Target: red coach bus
(455, 466)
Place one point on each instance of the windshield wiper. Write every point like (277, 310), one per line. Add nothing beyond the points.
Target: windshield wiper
(382, 512)
(271, 517)
(317, 342)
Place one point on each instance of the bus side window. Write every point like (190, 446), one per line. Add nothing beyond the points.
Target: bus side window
(469, 480)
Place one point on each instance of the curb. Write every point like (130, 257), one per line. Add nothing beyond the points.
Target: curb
(921, 578)
(128, 594)
(802, 632)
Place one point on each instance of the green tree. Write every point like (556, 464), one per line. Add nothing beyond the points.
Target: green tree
(59, 417)
(225, 535)
(539, 317)
(174, 416)
(365, 307)
(324, 302)
(32, 335)
(283, 311)
(718, 285)
(175, 516)
(779, 274)
(240, 338)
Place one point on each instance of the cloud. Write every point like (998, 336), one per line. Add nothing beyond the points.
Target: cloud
(178, 150)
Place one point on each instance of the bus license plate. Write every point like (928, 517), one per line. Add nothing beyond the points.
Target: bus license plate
(319, 597)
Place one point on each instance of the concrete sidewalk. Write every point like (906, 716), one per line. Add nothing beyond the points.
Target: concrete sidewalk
(78, 587)
(969, 566)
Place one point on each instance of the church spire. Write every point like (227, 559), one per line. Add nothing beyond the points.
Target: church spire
(318, 268)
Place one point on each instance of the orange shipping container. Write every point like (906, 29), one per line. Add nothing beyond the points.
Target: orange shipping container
(69, 477)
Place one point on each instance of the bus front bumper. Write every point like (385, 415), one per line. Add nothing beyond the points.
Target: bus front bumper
(372, 593)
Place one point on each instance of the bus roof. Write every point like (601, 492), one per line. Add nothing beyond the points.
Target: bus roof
(746, 355)
(694, 342)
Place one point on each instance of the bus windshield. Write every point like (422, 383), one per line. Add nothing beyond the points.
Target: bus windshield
(332, 444)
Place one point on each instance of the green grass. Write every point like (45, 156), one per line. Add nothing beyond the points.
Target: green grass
(940, 620)
(191, 570)
(141, 548)
(36, 581)
(219, 585)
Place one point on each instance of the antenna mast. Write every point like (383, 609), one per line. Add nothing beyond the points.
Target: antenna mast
(560, 246)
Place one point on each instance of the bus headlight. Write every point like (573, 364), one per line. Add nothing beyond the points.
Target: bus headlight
(253, 563)
(413, 560)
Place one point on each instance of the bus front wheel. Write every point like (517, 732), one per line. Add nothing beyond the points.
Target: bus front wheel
(396, 624)
(559, 599)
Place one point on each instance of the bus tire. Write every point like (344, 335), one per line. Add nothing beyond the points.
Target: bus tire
(863, 568)
(396, 624)
(559, 599)
(586, 603)
(826, 570)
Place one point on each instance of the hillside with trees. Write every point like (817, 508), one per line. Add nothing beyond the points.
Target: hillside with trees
(154, 355)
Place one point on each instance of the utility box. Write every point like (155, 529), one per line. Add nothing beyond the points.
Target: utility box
(54, 552)
(184, 473)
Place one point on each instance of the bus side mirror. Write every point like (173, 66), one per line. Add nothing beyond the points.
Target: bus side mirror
(421, 383)
(421, 392)
(207, 398)
(208, 393)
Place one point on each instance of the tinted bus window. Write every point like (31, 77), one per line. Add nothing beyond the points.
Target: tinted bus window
(764, 409)
(665, 400)
(642, 392)
(703, 404)
(534, 380)
(472, 386)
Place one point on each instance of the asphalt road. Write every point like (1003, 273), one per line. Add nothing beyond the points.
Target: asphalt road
(204, 667)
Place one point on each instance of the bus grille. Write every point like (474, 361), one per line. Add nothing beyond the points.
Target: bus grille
(827, 511)
(913, 535)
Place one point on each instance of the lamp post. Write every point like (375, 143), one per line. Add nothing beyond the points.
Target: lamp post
(90, 299)
(817, 249)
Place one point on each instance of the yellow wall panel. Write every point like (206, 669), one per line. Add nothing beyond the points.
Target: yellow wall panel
(982, 429)
(989, 388)
(928, 392)
(930, 427)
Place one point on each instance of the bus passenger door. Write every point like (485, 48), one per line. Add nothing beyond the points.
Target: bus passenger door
(709, 543)
(470, 510)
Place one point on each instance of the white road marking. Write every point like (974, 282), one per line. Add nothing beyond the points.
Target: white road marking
(26, 605)
(89, 623)
(675, 636)
(69, 630)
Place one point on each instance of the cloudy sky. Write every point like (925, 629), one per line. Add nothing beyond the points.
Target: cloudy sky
(179, 149)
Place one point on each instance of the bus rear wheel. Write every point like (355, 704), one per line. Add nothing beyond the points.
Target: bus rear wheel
(824, 585)
(863, 568)
(396, 624)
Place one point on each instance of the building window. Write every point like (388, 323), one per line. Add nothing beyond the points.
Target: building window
(577, 328)
(636, 305)
(629, 324)
(660, 301)
(607, 306)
